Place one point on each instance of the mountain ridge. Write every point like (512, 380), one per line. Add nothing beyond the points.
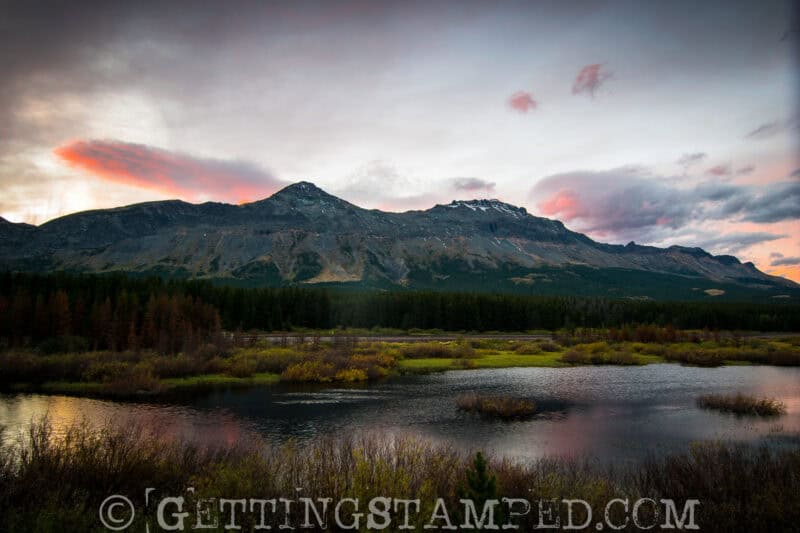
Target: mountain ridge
(304, 235)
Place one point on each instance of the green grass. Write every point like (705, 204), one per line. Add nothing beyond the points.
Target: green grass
(72, 387)
(503, 359)
(95, 388)
(220, 380)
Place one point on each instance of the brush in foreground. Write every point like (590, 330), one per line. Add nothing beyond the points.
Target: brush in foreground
(56, 481)
(502, 407)
(742, 404)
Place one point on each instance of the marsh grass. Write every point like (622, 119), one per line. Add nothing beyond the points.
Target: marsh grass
(576, 356)
(142, 372)
(742, 404)
(437, 350)
(497, 407)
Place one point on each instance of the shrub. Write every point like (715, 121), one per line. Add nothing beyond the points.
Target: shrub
(528, 348)
(742, 488)
(242, 367)
(549, 346)
(309, 371)
(595, 347)
(351, 375)
(437, 350)
(622, 358)
(106, 371)
(575, 357)
(177, 366)
(694, 356)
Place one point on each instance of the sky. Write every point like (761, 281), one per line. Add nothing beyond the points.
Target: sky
(656, 122)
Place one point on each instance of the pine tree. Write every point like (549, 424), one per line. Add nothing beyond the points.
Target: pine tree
(481, 486)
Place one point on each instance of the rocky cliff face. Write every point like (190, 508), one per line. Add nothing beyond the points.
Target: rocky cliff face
(302, 234)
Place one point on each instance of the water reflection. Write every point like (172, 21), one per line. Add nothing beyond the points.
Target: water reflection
(612, 413)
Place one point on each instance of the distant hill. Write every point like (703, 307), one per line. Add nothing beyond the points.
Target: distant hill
(303, 235)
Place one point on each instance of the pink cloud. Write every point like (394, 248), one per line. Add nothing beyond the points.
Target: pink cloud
(590, 78)
(564, 204)
(522, 101)
(171, 173)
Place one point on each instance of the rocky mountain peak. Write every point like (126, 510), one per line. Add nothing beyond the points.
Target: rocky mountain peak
(492, 206)
(303, 190)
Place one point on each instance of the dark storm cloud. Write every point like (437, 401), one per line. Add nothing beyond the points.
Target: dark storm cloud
(786, 261)
(622, 201)
(736, 242)
(178, 52)
(780, 202)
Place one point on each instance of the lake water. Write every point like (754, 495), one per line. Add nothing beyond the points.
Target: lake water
(610, 413)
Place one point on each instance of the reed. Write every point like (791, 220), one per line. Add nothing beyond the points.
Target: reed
(499, 407)
(742, 404)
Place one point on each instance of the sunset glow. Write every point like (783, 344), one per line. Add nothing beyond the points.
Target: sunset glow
(670, 129)
(173, 174)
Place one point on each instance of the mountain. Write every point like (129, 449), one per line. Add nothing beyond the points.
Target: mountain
(303, 235)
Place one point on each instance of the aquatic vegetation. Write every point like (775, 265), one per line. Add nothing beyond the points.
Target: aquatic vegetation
(499, 407)
(742, 404)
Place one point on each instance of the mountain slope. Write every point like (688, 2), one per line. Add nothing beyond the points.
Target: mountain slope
(302, 234)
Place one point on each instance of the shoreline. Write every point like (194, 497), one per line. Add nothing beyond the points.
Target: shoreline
(210, 382)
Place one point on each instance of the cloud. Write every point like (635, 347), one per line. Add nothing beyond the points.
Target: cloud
(786, 261)
(615, 201)
(590, 79)
(522, 101)
(719, 170)
(745, 170)
(472, 184)
(765, 130)
(688, 160)
(379, 184)
(774, 255)
(795, 173)
(171, 173)
(736, 242)
(628, 203)
(780, 202)
(773, 128)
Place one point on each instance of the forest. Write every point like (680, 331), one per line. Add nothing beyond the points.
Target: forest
(62, 312)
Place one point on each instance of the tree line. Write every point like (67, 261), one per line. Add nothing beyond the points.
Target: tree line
(121, 312)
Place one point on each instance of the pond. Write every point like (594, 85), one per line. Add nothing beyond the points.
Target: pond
(610, 413)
